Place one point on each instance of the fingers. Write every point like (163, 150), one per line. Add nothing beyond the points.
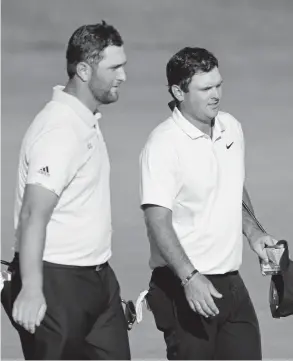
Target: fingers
(17, 313)
(30, 324)
(270, 241)
(213, 309)
(200, 309)
(25, 319)
(29, 319)
(200, 295)
(209, 306)
(41, 315)
(31, 328)
(196, 307)
(262, 253)
(206, 308)
(192, 306)
(214, 292)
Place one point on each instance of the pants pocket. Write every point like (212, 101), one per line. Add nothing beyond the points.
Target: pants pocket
(163, 310)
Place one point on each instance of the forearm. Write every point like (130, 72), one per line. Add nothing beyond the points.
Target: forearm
(32, 233)
(163, 234)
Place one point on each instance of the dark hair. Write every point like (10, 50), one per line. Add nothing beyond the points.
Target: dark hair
(87, 44)
(187, 62)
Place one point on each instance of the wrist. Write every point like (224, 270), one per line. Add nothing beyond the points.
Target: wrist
(32, 290)
(186, 280)
(32, 284)
(254, 235)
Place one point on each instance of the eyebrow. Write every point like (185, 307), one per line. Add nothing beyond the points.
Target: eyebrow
(116, 66)
(211, 86)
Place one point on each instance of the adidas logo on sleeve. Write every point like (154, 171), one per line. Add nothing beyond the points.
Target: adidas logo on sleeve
(44, 171)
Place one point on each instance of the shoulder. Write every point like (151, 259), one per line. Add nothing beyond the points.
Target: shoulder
(55, 115)
(52, 124)
(163, 136)
(159, 150)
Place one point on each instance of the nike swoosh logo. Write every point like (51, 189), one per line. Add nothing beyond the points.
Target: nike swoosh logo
(228, 146)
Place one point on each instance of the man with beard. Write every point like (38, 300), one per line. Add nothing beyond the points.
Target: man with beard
(192, 186)
(67, 298)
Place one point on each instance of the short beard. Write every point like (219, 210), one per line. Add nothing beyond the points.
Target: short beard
(103, 97)
(108, 98)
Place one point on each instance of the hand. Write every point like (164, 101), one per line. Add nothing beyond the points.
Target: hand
(259, 243)
(29, 308)
(199, 292)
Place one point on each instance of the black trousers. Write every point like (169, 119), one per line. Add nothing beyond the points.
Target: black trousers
(232, 334)
(84, 317)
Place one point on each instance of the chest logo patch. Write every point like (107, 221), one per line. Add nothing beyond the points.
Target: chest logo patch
(44, 171)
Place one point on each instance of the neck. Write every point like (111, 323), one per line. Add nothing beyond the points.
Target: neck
(204, 126)
(82, 94)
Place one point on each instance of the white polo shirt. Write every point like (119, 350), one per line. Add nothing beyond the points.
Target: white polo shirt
(63, 151)
(201, 181)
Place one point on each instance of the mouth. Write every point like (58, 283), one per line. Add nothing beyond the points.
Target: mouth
(115, 88)
(117, 85)
(214, 105)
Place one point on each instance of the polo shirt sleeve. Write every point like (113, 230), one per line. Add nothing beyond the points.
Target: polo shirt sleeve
(53, 160)
(159, 183)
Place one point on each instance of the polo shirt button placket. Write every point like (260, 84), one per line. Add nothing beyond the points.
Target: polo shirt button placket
(98, 132)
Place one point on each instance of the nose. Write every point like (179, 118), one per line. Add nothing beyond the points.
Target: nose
(121, 74)
(216, 94)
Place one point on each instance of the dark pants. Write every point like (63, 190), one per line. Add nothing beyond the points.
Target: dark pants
(84, 318)
(232, 334)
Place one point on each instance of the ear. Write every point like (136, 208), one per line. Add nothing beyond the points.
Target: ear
(83, 71)
(177, 92)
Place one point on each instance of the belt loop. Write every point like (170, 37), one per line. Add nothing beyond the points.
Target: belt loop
(101, 266)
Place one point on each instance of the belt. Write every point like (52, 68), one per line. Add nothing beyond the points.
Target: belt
(167, 271)
(97, 268)
(65, 266)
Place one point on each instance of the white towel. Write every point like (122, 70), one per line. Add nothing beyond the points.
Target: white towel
(141, 300)
(4, 276)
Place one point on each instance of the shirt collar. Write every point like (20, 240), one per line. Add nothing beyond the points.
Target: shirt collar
(192, 131)
(219, 128)
(76, 105)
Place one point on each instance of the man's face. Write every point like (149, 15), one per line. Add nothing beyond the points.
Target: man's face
(108, 75)
(202, 100)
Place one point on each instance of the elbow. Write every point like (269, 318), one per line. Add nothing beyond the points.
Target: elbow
(157, 217)
(24, 216)
(28, 217)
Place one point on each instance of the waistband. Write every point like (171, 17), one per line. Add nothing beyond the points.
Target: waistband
(227, 274)
(97, 268)
(165, 270)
